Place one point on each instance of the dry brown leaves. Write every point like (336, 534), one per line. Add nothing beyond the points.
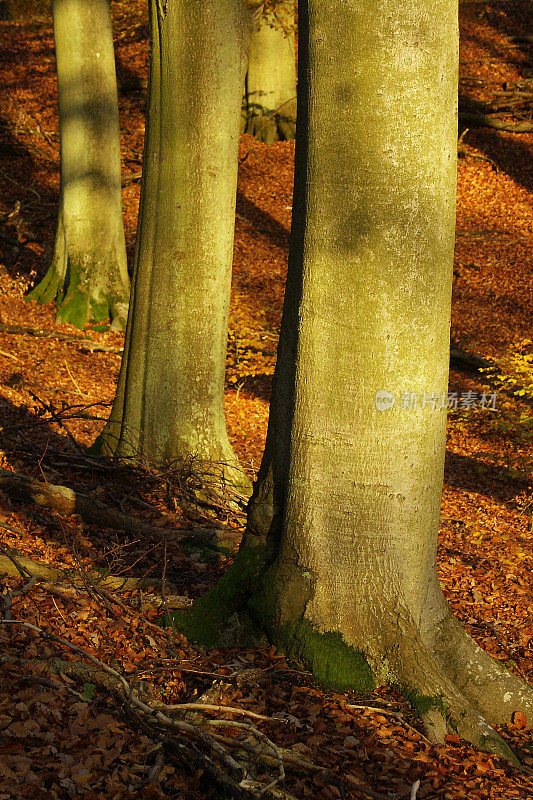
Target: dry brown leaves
(65, 739)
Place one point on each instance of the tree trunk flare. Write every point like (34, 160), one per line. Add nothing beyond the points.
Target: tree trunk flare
(88, 276)
(340, 553)
(170, 398)
(269, 104)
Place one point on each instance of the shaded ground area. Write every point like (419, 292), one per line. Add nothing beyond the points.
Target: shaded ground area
(64, 735)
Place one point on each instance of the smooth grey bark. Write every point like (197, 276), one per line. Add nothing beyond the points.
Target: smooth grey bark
(170, 397)
(339, 559)
(269, 105)
(87, 277)
(349, 495)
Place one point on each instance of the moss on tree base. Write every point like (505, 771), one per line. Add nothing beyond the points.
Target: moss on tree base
(236, 611)
(269, 127)
(82, 292)
(220, 618)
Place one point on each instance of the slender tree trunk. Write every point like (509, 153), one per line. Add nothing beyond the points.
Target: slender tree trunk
(269, 108)
(88, 277)
(339, 560)
(170, 397)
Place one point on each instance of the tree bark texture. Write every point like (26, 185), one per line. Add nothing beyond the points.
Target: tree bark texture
(339, 559)
(87, 277)
(269, 107)
(170, 397)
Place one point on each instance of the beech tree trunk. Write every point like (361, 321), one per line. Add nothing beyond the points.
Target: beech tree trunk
(88, 277)
(170, 398)
(269, 107)
(339, 560)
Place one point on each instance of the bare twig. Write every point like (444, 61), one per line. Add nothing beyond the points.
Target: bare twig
(216, 708)
(126, 690)
(74, 381)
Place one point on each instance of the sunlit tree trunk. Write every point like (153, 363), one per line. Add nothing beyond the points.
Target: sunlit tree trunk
(170, 398)
(88, 277)
(269, 109)
(339, 559)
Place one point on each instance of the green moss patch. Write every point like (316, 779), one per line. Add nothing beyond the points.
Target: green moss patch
(219, 617)
(333, 662)
(423, 703)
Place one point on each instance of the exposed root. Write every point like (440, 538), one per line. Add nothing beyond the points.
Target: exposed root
(494, 691)
(438, 701)
(214, 480)
(270, 126)
(84, 289)
(218, 618)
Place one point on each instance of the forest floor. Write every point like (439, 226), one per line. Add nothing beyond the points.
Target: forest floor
(62, 738)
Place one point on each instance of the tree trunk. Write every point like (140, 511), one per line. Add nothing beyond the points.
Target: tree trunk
(269, 108)
(170, 398)
(339, 560)
(88, 277)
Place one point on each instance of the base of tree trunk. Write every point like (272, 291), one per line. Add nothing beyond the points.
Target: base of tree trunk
(269, 127)
(208, 485)
(452, 684)
(81, 295)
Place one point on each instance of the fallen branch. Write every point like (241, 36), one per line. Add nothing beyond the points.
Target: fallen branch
(151, 718)
(66, 501)
(122, 687)
(487, 121)
(188, 757)
(44, 334)
(12, 565)
(85, 342)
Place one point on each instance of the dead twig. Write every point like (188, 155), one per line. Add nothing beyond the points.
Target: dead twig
(390, 713)
(127, 694)
(219, 708)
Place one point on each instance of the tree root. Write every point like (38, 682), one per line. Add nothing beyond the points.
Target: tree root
(69, 284)
(494, 691)
(270, 126)
(438, 701)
